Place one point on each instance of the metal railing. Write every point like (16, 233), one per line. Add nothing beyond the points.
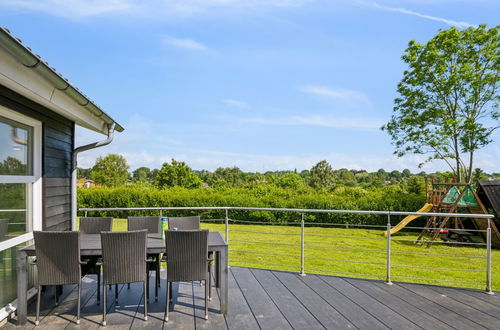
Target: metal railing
(303, 245)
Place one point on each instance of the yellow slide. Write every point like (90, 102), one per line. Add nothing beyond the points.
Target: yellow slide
(426, 208)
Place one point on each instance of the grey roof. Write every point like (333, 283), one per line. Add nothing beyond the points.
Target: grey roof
(26, 56)
(489, 193)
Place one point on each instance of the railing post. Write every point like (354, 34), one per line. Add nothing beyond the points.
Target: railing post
(388, 272)
(302, 264)
(85, 214)
(227, 226)
(488, 258)
(161, 213)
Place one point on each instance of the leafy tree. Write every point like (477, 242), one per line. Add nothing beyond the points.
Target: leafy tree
(82, 173)
(228, 177)
(415, 185)
(479, 175)
(322, 176)
(406, 173)
(177, 174)
(291, 180)
(142, 174)
(110, 171)
(448, 104)
(12, 166)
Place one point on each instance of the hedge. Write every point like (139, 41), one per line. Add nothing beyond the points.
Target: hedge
(391, 198)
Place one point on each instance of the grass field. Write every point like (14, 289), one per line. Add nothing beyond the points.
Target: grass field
(327, 251)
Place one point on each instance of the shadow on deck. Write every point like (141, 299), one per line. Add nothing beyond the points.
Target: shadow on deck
(279, 300)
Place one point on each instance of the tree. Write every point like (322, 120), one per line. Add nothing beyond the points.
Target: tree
(177, 174)
(448, 103)
(142, 174)
(110, 171)
(322, 176)
(229, 177)
(291, 180)
(82, 173)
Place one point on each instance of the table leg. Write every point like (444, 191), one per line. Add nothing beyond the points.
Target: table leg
(217, 269)
(22, 288)
(224, 269)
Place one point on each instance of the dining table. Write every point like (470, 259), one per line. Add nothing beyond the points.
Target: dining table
(90, 246)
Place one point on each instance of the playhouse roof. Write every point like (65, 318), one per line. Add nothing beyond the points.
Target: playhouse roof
(489, 193)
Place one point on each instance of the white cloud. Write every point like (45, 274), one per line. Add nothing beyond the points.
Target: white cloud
(335, 93)
(320, 121)
(236, 103)
(78, 9)
(458, 24)
(184, 43)
(73, 9)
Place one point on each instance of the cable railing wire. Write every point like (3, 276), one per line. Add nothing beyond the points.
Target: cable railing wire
(306, 248)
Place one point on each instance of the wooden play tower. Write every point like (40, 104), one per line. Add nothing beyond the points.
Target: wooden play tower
(454, 197)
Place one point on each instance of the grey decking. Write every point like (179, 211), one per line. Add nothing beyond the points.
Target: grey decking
(264, 299)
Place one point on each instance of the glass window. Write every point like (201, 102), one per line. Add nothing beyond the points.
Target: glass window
(13, 207)
(8, 274)
(16, 149)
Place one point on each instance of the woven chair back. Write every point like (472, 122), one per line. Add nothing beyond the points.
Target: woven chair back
(57, 257)
(187, 253)
(94, 225)
(4, 228)
(124, 256)
(152, 224)
(184, 223)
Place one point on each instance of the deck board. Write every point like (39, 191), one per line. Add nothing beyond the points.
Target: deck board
(296, 314)
(266, 299)
(267, 314)
(399, 305)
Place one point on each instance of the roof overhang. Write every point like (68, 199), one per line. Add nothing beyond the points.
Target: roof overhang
(25, 73)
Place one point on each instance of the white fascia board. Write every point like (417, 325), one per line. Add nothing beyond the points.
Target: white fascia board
(28, 83)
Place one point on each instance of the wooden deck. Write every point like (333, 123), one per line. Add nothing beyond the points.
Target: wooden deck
(264, 299)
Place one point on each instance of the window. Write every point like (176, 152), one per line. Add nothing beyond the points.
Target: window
(20, 178)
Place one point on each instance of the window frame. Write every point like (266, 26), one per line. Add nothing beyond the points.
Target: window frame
(34, 181)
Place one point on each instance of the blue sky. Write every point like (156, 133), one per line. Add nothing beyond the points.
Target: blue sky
(258, 84)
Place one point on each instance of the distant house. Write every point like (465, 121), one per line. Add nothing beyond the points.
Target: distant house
(39, 110)
(87, 183)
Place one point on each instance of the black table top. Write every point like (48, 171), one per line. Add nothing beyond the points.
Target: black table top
(90, 245)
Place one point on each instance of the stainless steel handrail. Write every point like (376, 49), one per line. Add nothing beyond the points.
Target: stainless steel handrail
(303, 244)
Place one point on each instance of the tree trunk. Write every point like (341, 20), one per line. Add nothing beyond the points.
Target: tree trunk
(469, 175)
(457, 159)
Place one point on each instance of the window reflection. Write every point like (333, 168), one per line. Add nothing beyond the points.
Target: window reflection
(15, 149)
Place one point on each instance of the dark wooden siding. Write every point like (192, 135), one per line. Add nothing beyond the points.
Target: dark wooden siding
(57, 148)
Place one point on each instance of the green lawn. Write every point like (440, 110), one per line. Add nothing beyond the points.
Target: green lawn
(278, 247)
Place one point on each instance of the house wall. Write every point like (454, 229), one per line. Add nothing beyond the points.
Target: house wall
(57, 148)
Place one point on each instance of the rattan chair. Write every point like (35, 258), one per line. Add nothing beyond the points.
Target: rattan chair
(58, 262)
(153, 226)
(189, 223)
(187, 260)
(184, 223)
(124, 261)
(94, 225)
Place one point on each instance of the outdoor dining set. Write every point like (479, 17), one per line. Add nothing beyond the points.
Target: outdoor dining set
(125, 257)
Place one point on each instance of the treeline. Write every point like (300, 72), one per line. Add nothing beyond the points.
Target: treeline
(113, 171)
(321, 187)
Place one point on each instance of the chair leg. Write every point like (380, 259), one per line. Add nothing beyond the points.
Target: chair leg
(167, 305)
(128, 285)
(210, 284)
(145, 303)
(156, 284)
(206, 302)
(99, 289)
(116, 294)
(171, 294)
(78, 302)
(104, 294)
(38, 296)
(56, 294)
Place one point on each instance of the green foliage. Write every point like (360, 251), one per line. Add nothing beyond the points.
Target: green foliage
(225, 177)
(291, 180)
(142, 174)
(448, 104)
(322, 176)
(83, 173)
(177, 174)
(111, 171)
(12, 166)
(268, 196)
